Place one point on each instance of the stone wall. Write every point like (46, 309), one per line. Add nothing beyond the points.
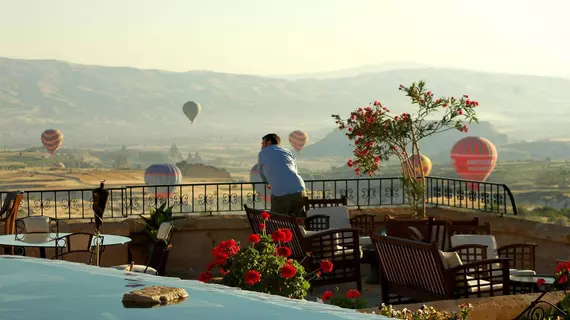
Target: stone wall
(496, 308)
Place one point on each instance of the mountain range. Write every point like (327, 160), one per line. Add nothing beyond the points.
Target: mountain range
(121, 105)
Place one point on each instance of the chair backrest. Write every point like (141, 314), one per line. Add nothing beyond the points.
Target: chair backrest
(400, 228)
(365, 223)
(77, 243)
(407, 264)
(480, 239)
(339, 216)
(277, 221)
(164, 232)
(37, 224)
(317, 222)
(456, 229)
(9, 211)
(319, 203)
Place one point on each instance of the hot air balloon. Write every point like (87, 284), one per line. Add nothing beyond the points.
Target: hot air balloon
(163, 175)
(426, 164)
(474, 158)
(191, 109)
(263, 191)
(52, 140)
(298, 139)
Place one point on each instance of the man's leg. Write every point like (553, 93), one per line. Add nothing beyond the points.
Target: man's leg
(280, 204)
(297, 204)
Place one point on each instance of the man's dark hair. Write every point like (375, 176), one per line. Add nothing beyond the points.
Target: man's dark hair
(272, 137)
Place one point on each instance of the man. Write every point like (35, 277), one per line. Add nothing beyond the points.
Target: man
(277, 167)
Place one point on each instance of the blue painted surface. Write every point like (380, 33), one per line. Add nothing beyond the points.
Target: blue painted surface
(50, 289)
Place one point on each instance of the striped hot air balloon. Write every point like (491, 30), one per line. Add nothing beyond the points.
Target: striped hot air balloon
(52, 140)
(426, 164)
(474, 158)
(298, 139)
(254, 177)
(163, 175)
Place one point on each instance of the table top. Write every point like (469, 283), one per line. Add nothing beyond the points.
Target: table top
(532, 279)
(46, 240)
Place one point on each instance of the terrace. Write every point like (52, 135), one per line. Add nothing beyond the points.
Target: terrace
(209, 213)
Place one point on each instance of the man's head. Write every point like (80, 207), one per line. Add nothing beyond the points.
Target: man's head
(270, 139)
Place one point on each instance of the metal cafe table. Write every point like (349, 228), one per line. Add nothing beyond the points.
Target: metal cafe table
(47, 240)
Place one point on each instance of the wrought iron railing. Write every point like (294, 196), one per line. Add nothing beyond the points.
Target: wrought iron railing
(211, 198)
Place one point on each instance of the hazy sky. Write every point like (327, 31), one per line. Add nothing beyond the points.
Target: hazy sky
(291, 36)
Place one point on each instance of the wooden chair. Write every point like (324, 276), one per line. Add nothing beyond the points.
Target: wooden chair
(522, 256)
(421, 271)
(340, 246)
(9, 213)
(363, 222)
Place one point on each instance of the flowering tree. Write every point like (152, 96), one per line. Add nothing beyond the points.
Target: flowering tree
(379, 135)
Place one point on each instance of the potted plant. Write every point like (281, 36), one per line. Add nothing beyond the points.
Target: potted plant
(350, 300)
(379, 135)
(152, 224)
(263, 265)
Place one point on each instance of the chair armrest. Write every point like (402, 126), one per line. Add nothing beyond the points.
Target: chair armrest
(364, 223)
(470, 252)
(522, 256)
(480, 278)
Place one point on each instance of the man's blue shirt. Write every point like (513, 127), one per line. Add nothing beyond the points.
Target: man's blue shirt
(278, 168)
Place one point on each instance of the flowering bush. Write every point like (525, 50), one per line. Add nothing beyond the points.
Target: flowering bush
(379, 135)
(350, 300)
(263, 265)
(427, 313)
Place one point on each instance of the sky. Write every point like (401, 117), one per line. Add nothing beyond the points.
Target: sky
(270, 37)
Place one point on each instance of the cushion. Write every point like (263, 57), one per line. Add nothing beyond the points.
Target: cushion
(36, 224)
(484, 286)
(486, 240)
(339, 217)
(164, 230)
(415, 234)
(516, 272)
(339, 254)
(137, 268)
(365, 241)
(450, 259)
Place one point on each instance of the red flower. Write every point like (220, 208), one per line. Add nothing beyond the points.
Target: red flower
(278, 236)
(327, 295)
(253, 238)
(264, 215)
(288, 271)
(326, 266)
(563, 279)
(262, 226)
(252, 277)
(210, 266)
(221, 258)
(205, 277)
(563, 266)
(540, 282)
(283, 251)
(288, 235)
(223, 272)
(352, 294)
(318, 273)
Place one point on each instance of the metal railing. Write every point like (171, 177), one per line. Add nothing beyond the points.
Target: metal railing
(210, 198)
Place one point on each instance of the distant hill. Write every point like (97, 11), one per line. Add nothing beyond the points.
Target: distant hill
(352, 72)
(95, 105)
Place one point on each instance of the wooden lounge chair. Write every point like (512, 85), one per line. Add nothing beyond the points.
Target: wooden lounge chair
(422, 272)
(474, 243)
(340, 246)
